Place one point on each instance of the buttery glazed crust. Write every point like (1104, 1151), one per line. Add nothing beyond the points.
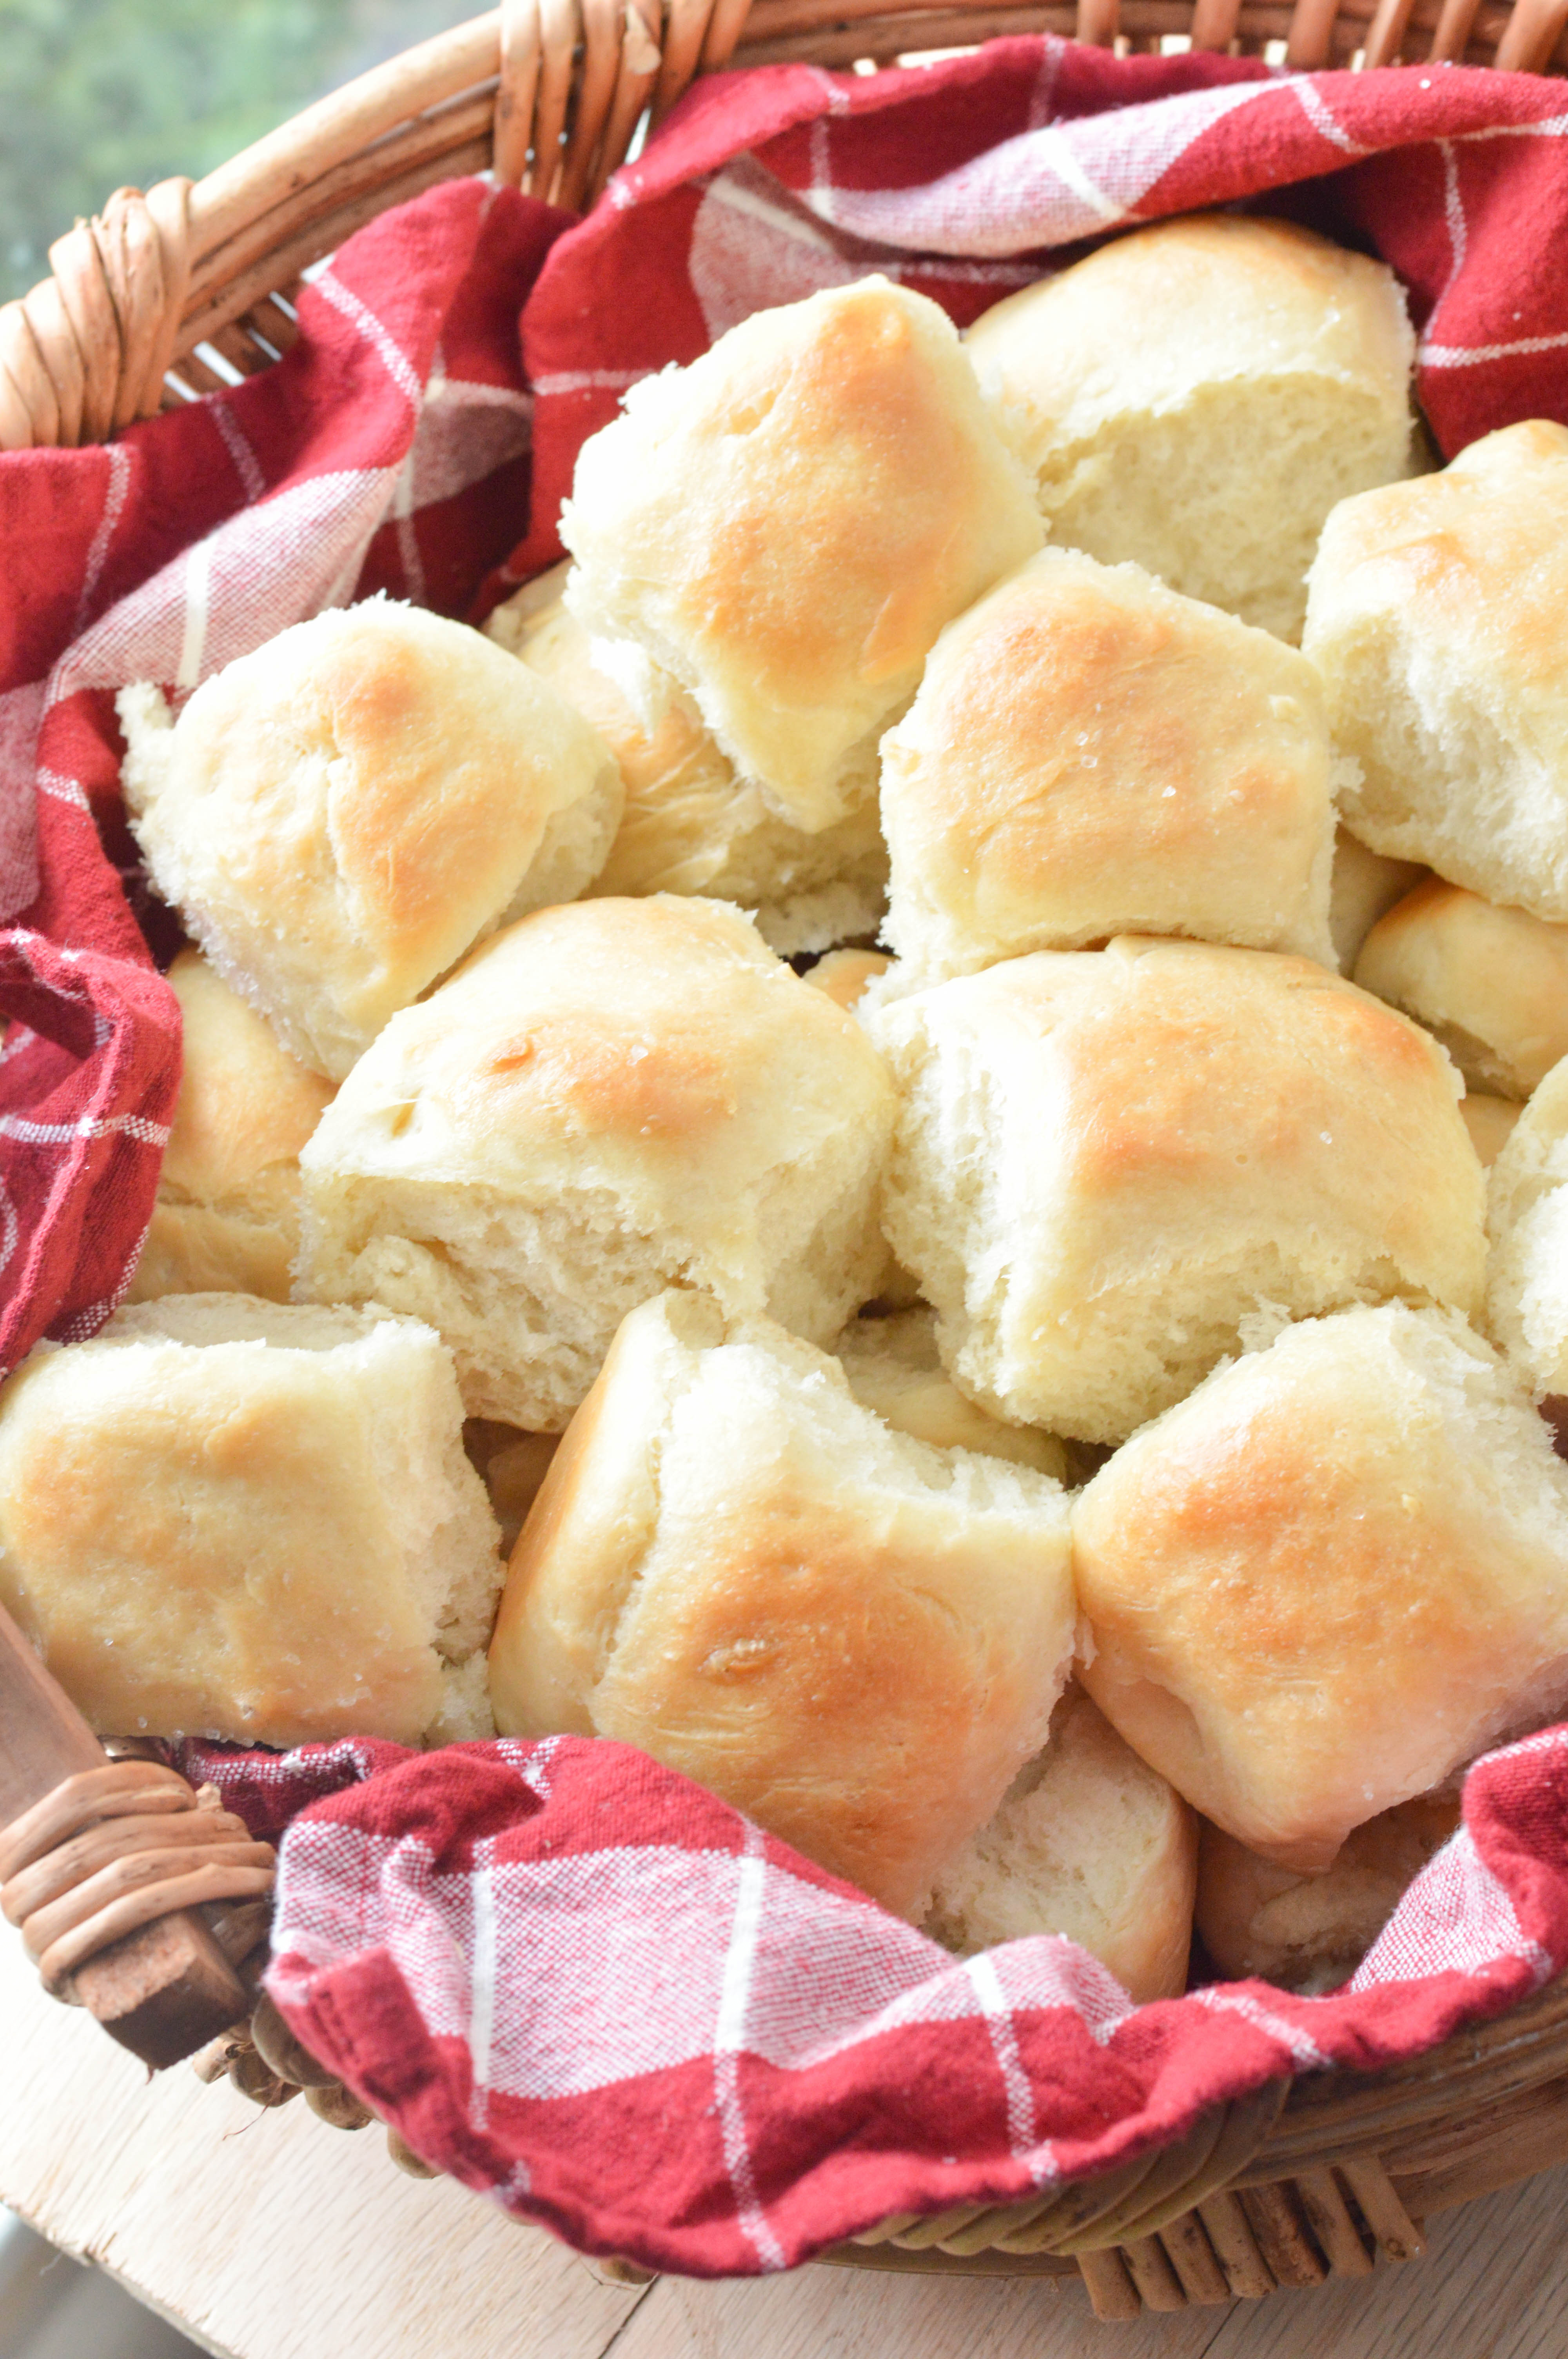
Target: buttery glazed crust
(1106, 1161)
(227, 1217)
(1491, 983)
(609, 1098)
(339, 815)
(690, 825)
(1287, 296)
(784, 527)
(1090, 755)
(1329, 1578)
(1435, 616)
(229, 1518)
(1268, 378)
(854, 1639)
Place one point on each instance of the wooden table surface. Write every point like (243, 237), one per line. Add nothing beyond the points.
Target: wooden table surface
(271, 2236)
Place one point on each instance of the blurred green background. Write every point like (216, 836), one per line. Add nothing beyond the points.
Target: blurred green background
(96, 94)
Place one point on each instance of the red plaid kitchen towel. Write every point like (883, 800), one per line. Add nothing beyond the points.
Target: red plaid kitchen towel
(571, 1978)
(595, 1993)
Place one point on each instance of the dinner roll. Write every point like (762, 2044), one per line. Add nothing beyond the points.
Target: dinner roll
(1310, 1932)
(608, 1099)
(1334, 1574)
(784, 528)
(512, 1466)
(845, 974)
(1198, 395)
(1436, 617)
(1364, 884)
(1527, 1218)
(1490, 1123)
(690, 824)
(229, 1518)
(1108, 1163)
(341, 815)
(1089, 755)
(854, 1639)
(1091, 1842)
(227, 1216)
(893, 1367)
(1491, 983)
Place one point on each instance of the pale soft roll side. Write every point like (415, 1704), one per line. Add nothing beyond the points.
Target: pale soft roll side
(1089, 754)
(1364, 886)
(1197, 397)
(784, 528)
(894, 1367)
(1527, 1219)
(690, 824)
(1490, 983)
(1436, 617)
(1310, 1932)
(228, 1517)
(1090, 1843)
(1110, 1164)
(1490, 1122)
(227, 1216)
(856, 1640)
(512, 1466)
(1329, 1579)
(845, 975)
(608, 1099)
(341, 815)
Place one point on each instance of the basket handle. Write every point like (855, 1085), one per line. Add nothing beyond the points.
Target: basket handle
(632, 53)
(85, 352)
(166, 1988)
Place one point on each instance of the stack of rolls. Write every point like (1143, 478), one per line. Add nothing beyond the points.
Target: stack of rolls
(850, 1145)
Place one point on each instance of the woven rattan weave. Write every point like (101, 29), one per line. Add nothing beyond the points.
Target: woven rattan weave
(550, 93)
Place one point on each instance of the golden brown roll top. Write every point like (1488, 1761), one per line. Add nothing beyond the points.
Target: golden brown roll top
(1490, 983)
(228, 1517)
(1267, 378)
(731, 1564)
(227, 1216)
(339, 815)
(608, 1099)
(1108, 1163)
(1332, 1576)
(1089, 755)
(1090, 1843)
(690, 824)
(1434, 615)
(784, 528)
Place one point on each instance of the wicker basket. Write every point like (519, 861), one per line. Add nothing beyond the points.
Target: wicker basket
(1298, 2183)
